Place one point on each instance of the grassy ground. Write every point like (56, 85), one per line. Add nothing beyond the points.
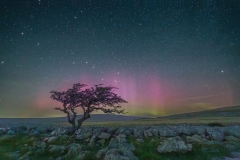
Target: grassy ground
(169, 121)
(144, 151)
(148, 151)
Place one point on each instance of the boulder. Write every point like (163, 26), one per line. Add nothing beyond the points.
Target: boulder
(52, 139)
(215, 134)
(4, 130)
(101, 153)
(39, 144)
(84, 136)
(10, 132)
(187, 130)
(74, 150)
(235, 155)
(155, 132)
(200, 130)
(92, 140)
(104, 135)
(175, 144)
(195, 139)
(140, 140)
(120, 154)
(147, 133)
(57, 149)
(101, 142)
(232, 139)
(166, 132)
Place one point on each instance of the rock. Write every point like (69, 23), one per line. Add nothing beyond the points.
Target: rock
(138, 133)
(4, 130)
(218, 135)
(57, 149)
(147, 133)
(217, 158)
(235, 155)
(227, 158)
(140, 140)
(121, 138)
(74, 150)
(10, 132)
(26, 156)
(36, 133)
(232, 131)
(52, 139)
(232, 139)
(175, 144)
(230, 147)
(120, 154)
(166, 132)
(104, 135)
(101, 153)
(155, 132)
(135, 132)
(39, 151)
(39, 144)
(83, 136)
(14, 155)
(101, 142)
(200, 130)
(113, 143)
(186, 130)
(92, 140)
(82, 155)
(195, 139)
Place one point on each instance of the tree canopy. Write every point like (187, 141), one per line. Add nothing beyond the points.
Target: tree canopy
(89, 100)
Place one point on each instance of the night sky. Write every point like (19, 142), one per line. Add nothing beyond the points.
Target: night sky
(165, 56)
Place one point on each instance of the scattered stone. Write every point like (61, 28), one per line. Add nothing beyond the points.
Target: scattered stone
(92, 140)
(57, 149)
(83, 136)
(104, 135)
(101, 142)
(140, 140)
(39, 144)
(175, 144)
(52, 139)
(10, 132)
(235, 155)
(166, 132)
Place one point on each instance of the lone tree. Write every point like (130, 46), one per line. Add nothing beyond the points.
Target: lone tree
(89, 100)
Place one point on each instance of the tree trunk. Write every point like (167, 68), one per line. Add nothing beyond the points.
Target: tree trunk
(80, 121)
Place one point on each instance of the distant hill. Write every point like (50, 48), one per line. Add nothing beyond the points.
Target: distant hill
(229, 111)
(94, 118)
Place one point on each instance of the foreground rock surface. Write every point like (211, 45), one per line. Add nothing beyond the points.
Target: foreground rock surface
(113, 142)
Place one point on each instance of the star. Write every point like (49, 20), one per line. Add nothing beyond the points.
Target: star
(2, 62)
(22, 33)
(222, 71)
